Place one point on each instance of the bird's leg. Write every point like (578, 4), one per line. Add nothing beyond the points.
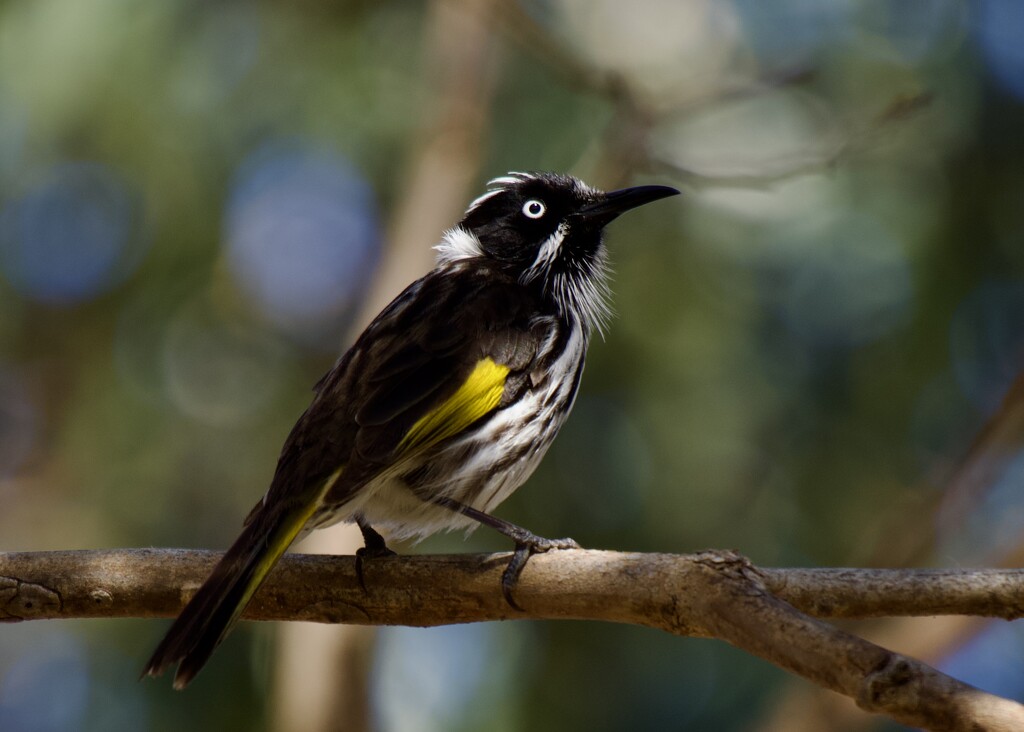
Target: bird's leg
(374, 546)
(527, 543)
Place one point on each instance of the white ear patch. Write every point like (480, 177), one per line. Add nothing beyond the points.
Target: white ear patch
(458, 244)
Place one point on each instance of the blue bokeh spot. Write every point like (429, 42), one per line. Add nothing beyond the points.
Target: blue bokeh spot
(999, 28)
(302, 232)
(65, 240)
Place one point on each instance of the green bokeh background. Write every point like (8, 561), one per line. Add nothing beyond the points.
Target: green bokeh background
(806, 342)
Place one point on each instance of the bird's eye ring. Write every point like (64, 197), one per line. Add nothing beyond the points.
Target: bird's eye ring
(534, 209)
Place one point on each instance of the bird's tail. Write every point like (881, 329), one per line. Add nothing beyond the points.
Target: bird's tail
(217, 605)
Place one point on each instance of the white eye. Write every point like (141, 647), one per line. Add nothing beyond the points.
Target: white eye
(534, 209)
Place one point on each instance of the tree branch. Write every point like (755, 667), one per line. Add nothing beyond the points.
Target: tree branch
(710, 594)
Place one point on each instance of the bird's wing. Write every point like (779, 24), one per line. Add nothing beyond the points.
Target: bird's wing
(454, 364)
(444, 355)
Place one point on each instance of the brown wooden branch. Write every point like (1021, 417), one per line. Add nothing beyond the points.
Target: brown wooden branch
(711, 594)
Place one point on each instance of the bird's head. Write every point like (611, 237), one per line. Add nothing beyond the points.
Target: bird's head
(546, 230)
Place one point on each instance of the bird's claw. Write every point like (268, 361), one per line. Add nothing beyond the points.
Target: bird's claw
(525, 549)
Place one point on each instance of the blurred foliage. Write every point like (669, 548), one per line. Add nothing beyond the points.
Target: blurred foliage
(194, 198)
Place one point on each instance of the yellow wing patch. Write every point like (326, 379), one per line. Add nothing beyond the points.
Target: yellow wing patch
(477, 396)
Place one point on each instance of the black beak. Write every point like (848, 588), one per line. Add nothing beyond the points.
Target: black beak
(612, 204)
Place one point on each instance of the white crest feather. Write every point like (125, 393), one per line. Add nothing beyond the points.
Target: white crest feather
(505, 180)
(510, 179)
(480, 199)
(499, 184)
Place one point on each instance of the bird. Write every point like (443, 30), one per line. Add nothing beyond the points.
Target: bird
(444, 405)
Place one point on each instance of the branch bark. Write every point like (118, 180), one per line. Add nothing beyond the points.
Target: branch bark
(710, 594)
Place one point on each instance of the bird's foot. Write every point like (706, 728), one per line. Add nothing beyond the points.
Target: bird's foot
(526, 546)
